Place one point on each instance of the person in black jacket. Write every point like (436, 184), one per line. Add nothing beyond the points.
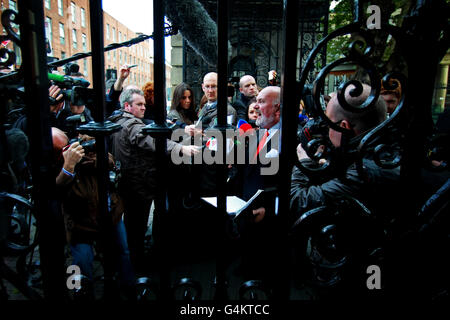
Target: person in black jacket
(380, 182)
(248, 93)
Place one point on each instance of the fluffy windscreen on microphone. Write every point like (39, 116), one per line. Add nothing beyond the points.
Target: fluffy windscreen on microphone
(241, 122)
(196, 27)
(244, 126)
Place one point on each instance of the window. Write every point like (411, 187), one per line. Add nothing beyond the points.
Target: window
(18, 54)
(60, 8)
(62, 38)
(83, 41)
(109, 55)
(107, 31)
(63, 55)
(120, 57)
(114, 34)
(48, 29)
(47, 4)
(12, 5)
(73, 12)
(114, 55)
(74, 38)
(120, 36)
(85, 67)
(83, 18)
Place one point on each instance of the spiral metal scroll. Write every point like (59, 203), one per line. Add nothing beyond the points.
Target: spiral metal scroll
(386, 152)
(187, 289)
(335, 235)
(254, 290)
(147, 289)
(8, 57)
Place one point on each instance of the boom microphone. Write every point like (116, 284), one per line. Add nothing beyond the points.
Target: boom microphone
(68, 81)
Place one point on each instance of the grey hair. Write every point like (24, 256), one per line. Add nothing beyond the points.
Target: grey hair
(127, 96)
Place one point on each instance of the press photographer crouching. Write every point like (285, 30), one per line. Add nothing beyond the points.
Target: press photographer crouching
(80, 208)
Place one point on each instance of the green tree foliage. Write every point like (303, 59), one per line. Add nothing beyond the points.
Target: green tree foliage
(392, 12)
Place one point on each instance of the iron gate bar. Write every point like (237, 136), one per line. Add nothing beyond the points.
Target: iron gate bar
(170, 31)
(100, 129)
(290, 98)
(51, 245)
(222, 107)
(160, 132)
(357, 11)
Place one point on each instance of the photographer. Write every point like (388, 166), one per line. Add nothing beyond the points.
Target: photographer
(63, 104)
(71, 155)
(79, 194)
(380, 183)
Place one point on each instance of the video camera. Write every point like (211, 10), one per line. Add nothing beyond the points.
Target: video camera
(315, 127)
(71, 124)
(73, 89)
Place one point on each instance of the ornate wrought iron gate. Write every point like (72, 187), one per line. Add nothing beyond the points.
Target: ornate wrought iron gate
(411, 121)
(256, 38)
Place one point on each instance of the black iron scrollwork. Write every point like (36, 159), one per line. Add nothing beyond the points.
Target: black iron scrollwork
(386, 149)
(8, 57)
(335, 235)
(187, 289)
(146, 289)
(254, 290)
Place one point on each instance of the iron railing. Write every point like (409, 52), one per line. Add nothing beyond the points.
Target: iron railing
(423, 45)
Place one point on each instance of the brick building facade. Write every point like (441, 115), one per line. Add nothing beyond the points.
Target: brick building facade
(67, 26)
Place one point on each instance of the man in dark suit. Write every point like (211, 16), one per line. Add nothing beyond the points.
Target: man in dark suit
(258, 240)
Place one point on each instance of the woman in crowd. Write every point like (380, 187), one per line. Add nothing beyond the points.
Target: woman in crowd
(182, 111)
(252, 114)
(149, 96)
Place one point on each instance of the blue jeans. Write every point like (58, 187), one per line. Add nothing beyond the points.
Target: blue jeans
(83, 256)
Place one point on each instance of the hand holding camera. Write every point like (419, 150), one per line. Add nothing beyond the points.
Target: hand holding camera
(56, 98)
(72, 153)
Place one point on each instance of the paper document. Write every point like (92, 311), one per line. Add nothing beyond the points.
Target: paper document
(235, 205)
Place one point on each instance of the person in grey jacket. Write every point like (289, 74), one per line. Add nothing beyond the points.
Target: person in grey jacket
(136, 154)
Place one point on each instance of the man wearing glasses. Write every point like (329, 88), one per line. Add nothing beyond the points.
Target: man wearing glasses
(208, 114)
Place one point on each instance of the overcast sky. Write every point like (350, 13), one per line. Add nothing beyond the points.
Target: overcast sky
(137, 15)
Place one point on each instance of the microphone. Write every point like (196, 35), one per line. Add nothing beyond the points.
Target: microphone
(66, 81)
(243, 127)
(241, 122)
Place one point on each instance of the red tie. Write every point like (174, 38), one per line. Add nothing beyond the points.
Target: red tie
(261, 144)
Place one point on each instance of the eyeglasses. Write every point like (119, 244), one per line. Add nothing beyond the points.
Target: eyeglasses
(207, 87)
